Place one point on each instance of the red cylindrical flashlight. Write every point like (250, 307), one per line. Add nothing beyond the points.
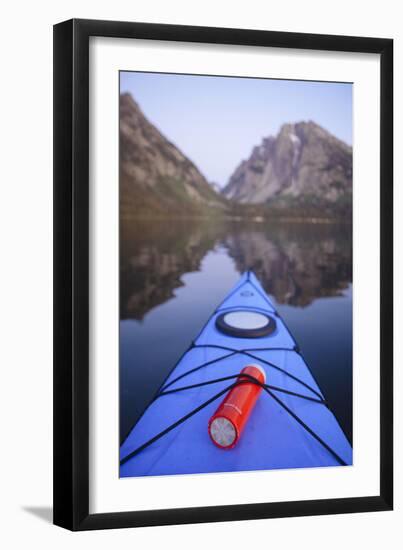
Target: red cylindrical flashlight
(227, 423)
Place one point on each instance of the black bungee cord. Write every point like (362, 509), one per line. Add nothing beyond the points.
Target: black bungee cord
(247, 353)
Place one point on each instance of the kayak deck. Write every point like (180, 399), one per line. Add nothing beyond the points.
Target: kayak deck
(284, 430)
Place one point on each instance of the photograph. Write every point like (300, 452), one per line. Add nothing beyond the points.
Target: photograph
(223, 274)
(235, 274)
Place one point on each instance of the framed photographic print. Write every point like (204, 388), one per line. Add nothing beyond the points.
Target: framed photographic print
(223, 274)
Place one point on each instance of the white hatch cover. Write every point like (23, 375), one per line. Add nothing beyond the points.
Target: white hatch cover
(245, 319)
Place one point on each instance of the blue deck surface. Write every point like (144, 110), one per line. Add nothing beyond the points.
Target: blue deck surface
(272, 438)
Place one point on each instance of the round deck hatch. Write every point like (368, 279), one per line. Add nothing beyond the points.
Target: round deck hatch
(245, 324)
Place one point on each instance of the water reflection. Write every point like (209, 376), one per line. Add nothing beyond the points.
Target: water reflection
(296, 263)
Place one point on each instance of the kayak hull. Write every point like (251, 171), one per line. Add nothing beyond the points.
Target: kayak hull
(276, 435)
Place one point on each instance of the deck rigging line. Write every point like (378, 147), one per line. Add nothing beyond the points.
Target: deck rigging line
(247, 353)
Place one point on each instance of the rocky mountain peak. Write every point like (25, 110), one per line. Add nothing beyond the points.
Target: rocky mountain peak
(303, 160)
(156, 178)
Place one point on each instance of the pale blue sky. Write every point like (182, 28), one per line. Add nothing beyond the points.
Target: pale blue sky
(216, 121)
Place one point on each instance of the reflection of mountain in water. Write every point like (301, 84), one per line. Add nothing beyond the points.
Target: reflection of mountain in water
(153, 257)
(296, 263)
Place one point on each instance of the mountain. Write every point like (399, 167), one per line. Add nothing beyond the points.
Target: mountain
(156, 178)
(303, 165)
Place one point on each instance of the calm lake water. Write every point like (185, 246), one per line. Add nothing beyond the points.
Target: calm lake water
(174, 274)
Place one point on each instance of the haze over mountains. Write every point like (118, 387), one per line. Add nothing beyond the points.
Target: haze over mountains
(304, 171)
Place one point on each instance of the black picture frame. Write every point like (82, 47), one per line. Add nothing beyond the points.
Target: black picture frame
(71, 274)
